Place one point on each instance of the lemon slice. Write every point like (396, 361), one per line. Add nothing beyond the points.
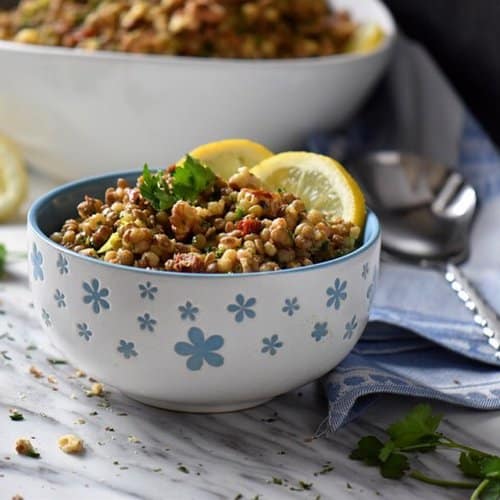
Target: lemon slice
(366, 38)
(225, 157)
(13, 179)
(321, 182)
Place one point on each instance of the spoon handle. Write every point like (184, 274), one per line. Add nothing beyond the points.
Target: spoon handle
(484, 315)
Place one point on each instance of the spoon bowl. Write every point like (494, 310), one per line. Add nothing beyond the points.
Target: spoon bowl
(427, 209)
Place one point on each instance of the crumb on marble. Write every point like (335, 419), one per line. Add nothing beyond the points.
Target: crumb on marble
(80, 421)
(134, 439)
(96, 389)
(69, 443)
(36, 372)
(24, 447)
(17, 496)
(79, 374)
(51, 379)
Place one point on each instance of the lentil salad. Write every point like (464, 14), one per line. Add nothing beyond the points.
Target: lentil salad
(247, 29)
(187, 219)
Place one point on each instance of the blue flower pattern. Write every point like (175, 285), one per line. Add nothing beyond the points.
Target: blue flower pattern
(146, 322)
(366, 270)
(148, 291)
(62, 264)
(37, 262)
(271, 345)
(350, 328)
(60, 298)
(291, 305)
(95, 295)
(188, 311)
(84, 331)
(242, 308)
(370, 291)
(336, 294)
(320, 330)
(46, 318)
(200, 350)
(127, 349)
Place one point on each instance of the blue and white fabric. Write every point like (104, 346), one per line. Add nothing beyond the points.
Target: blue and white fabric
(421, 340)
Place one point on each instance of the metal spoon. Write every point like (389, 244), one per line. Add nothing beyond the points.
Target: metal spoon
(426, 210)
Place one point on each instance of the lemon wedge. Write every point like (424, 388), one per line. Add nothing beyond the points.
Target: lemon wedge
(13, 179)
(225, 157)
(321, 182)
(366, 38)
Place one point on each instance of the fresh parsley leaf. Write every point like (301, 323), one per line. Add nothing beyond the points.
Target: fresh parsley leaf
(33, 454)
(3, 258)
(490, 467)
(368, 450)
(492, 491)
(417, 425)
(191, 178)
(470, 464)
(155, 189)
(395, 466)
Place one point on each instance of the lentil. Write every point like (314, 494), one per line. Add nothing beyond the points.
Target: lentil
(275, 231)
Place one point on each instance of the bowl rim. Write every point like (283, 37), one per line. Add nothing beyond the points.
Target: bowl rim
(209, 62)
(39, 203)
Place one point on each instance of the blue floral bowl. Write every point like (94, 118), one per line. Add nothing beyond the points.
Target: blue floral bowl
(195, 342)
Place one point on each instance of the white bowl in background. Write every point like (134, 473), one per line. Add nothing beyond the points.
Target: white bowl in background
(76, 113)
(195, 342)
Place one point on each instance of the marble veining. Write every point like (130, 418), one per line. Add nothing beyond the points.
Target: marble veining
(138, 452)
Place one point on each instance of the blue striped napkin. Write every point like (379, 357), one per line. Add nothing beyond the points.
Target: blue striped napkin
(421, 340)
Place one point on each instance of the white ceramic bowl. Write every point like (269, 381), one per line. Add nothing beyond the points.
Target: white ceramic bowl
(195, 342)
(76, 113)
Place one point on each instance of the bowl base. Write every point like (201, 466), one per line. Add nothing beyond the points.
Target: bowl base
(197, 408)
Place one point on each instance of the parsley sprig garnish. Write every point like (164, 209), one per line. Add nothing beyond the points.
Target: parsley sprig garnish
(188, 181)
(417, 432)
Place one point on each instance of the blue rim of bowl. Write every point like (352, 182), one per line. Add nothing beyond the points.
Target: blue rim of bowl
(113, 176)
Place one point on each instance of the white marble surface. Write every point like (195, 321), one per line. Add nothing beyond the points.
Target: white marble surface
(225, 455)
